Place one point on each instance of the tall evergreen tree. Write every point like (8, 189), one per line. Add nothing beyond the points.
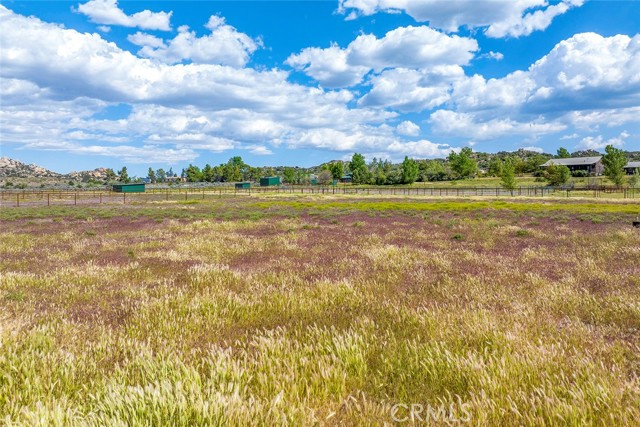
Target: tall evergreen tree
(193, 174)
(563, 153)
(123, 175)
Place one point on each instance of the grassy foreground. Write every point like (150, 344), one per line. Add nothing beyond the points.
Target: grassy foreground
(321, 311)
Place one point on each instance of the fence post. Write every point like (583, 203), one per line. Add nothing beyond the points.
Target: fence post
(48, 203)
(124, 198)
(75, 198)
(18, 199)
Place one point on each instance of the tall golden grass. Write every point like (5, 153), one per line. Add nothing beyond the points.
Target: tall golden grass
(319, 317)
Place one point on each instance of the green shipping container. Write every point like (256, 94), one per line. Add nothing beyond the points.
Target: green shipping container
(269, 181)
(128, 188)
(240, 185)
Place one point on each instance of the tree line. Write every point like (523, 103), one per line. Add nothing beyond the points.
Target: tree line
(459, 165)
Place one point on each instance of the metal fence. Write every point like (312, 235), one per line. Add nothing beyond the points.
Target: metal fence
(16, 198)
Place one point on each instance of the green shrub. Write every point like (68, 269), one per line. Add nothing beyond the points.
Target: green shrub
(580, 174)
(557, 175)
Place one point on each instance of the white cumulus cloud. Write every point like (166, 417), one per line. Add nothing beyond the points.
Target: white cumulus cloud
(407, 47)
(598, 142)
(51, 93)
(259, 150)
(225, 45)
(409, 90)
(585, 81)
(468, 125)
(498, 18)
(107, 12)
(408, 128)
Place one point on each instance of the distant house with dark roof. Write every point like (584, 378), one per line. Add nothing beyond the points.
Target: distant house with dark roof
(631, 167)
(592, 165)
(347, 177)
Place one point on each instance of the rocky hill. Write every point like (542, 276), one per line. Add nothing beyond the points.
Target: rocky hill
(98, 174)
(10, 168)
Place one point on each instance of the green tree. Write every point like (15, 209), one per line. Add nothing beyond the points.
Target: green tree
(237, 161)
(409, 171)
(463, 163)
(193, 173)
(508, 175)
(289, 175)
(151, 175)
(614, 161)
(533, 163)
(123, 175)
(433, 170)
(161, 175)
(495, 167)
(269, 171)
(208, 173)
(557, 175)
(110, 175)
(563, 153)
(232, 170)
(393, 176)
(337, 170)
(379, 177)
(253, 174)
(359, 170)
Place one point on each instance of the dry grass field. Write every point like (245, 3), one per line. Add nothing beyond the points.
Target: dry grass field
(344, 311)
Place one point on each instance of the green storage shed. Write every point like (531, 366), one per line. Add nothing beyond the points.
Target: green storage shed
(128, 188)
(269, 181)
(242, 185)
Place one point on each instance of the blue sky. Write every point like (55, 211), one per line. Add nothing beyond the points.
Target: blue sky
(158, 84)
